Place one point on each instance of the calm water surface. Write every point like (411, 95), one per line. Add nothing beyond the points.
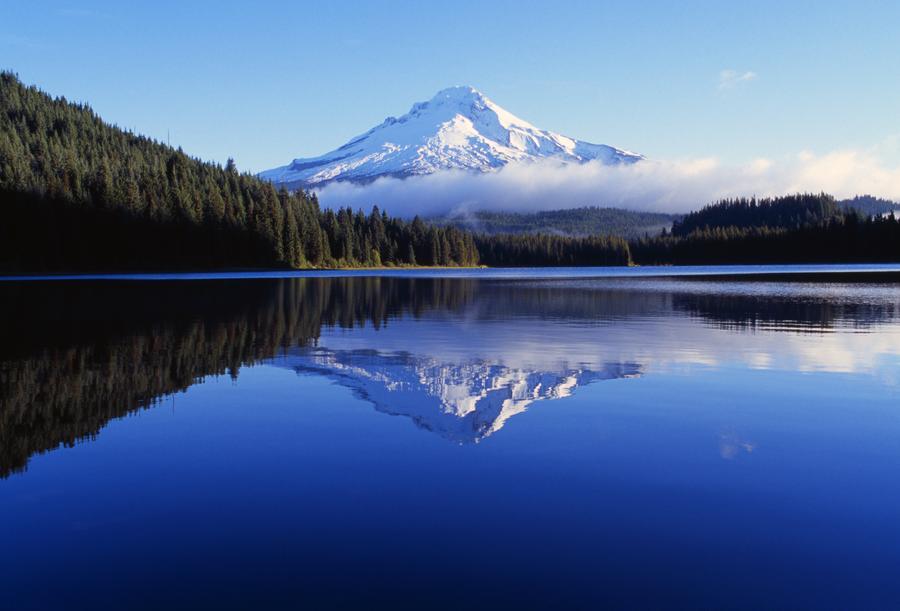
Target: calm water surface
(491, 440)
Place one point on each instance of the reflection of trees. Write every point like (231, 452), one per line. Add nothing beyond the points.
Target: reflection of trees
(798, 314)
(565, 301)
(611, 300)
(75, 355)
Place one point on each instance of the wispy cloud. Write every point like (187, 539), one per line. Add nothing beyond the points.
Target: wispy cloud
(729, 79)
(676, 186)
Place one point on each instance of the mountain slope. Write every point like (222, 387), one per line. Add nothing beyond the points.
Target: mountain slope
(458, 129)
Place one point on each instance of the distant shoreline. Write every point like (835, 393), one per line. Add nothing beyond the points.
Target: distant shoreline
(816, 272)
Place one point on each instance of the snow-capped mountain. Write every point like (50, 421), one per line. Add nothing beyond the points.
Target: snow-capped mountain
(463, 402)
(459, 128)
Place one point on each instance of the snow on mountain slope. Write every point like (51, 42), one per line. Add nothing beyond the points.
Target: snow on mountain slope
(459, 128)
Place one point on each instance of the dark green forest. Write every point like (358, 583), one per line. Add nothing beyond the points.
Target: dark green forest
(803, 228)
(742, 213)
(541, 250)
(574, 222)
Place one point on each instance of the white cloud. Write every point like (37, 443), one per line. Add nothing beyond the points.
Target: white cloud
(675, 186)
(728, 79)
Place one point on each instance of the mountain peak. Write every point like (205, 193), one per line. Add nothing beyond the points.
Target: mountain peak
(459, 128)
(458, 92)
(460, 99)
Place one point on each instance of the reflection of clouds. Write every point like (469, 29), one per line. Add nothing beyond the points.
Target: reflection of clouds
(759, 360)
(657, 343)
(731, 445)
(846, 352)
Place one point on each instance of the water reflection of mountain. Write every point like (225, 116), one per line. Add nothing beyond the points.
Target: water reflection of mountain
(463, 402)
(74, 355)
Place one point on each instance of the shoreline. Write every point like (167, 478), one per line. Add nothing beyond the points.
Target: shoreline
(832, 272)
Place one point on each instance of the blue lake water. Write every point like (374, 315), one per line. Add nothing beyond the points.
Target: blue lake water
(484, 438)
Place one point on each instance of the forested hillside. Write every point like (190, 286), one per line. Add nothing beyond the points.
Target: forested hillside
(788, 212)
(542, 250)
(575, 222)
(801, 228)
(78, 194)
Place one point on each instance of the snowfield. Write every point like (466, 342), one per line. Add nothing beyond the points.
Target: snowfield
(458, 129)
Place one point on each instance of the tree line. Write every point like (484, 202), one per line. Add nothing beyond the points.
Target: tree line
(803, 228)
(789, 212)
(543, 250)
(575, 222)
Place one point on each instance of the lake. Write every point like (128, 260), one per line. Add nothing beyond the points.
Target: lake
(683, 437)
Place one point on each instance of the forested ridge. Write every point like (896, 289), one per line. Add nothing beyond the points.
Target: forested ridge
(541, 250)
(802, 228)
(780, 212)
(574, 222)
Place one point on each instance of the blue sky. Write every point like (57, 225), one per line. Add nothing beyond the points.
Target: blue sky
(266, 82)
